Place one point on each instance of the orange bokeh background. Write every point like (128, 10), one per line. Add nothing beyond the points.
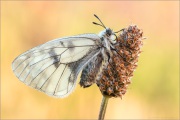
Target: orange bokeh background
(154, 92)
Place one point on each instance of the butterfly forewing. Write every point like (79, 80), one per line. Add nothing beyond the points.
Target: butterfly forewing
(54, 66)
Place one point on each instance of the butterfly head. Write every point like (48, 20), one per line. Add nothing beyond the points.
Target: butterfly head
(107, 33)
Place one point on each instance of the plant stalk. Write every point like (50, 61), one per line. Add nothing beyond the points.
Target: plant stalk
(103, 107)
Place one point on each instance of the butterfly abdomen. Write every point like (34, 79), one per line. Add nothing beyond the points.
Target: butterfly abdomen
(90, 71)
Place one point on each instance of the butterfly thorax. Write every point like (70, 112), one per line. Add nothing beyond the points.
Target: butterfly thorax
(92, 71)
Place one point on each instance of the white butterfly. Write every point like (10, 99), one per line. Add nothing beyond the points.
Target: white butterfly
(53, 67)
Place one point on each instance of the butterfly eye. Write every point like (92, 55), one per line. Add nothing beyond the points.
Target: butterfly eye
(108, 32)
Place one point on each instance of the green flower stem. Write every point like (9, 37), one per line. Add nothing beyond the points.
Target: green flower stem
(102, 111)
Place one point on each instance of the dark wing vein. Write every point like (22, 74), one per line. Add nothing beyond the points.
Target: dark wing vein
(36, 51)
(42, 71)
(49, 77)
(26, 66)
(50, 57)
(70, 77)
(59, 79)
(21, 63)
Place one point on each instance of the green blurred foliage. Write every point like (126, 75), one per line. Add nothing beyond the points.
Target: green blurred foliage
(154, 92)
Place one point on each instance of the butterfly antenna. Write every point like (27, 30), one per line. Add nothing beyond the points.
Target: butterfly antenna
(98, 23)
(119, 31)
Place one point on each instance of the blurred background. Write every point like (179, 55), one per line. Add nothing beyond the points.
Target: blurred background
(154, 92)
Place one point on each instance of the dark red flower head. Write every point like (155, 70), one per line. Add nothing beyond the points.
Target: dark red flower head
(117, 76)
